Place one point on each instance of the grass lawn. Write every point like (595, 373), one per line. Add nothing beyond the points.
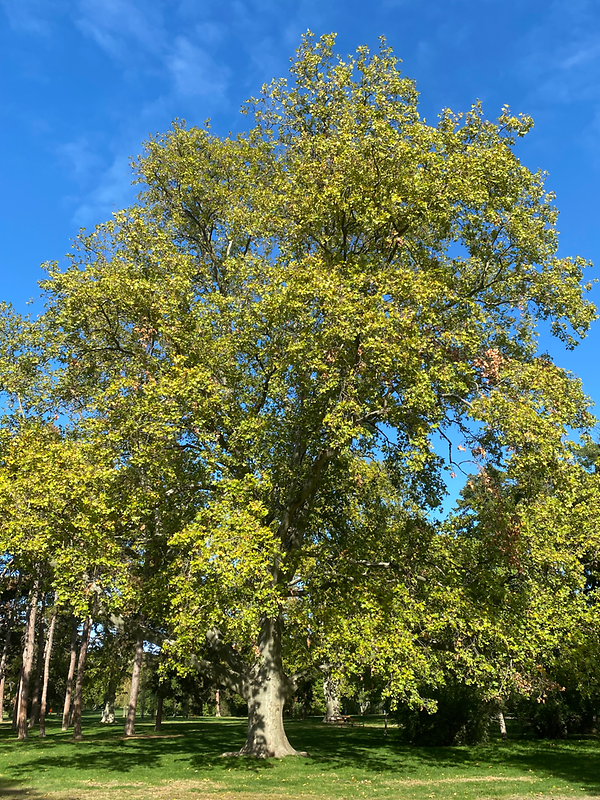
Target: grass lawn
(184, 763)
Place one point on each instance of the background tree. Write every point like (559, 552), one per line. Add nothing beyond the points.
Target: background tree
(525, 545)
(57, 530)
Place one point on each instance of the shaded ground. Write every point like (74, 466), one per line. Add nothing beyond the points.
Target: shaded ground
(184, 763)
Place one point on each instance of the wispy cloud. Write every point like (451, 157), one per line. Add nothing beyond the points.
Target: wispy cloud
(558, 51)
(79, 157)
(583, 54)
(176, 59)
(116, 25)
(194, 71)
(113, 191)
(559, 61)
(33, 16)
(590, 138)
(133, 32)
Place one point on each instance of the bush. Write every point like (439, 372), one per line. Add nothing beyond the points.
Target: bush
(462, 717)
(560, 715)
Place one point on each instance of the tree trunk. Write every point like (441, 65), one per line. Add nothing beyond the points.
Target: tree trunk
(217, 703)
(135, 685)
(3, 663)
(331, 691)
(502, 723)
(108, 711)
(15, 710)
(159, 713)
(47, 656)
(39, 666)
(78, 695)
(2, 682)
(70, 674)
(266, 693)
(28, 649)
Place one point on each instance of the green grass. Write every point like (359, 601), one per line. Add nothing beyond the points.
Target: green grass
(357, 762)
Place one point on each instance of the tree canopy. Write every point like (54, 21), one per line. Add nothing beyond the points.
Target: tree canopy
(268, 342)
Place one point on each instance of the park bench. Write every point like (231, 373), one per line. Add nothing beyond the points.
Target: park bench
(346, 719)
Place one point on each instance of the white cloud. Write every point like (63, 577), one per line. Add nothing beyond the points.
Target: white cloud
(129, 32)
(32, 16)
(116, 25)
(79, 157)
(210, 33)
(582, 56)
(559, 61)
(194, 71)
(558, 52)
(113, 192)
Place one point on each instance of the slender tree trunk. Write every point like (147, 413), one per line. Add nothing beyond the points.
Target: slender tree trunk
(39, 666)
(502, 723)
(266, 693)
(15, 709)
(2, 683)
(3, 663)
(28, 649)
(135, 685)
(159, 712)
(70, 674)
(217, 702)
(47, 656)
(78, 695)
(331, 691)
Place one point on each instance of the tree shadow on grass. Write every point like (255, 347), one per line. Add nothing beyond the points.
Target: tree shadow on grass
(331, 748)
(200, 747)
(15, 790)
(575, 760)
(108, 751)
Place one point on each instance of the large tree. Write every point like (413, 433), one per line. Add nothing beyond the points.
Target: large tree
(270, 339)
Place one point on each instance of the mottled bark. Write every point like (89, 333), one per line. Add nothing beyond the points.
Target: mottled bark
(135, 685)
(502, 723)
(78, 694)
(266, 691)
(70, 675)
(331, 692)
(264, 686)
(108, 709)
(217, 702)
(28, 650)
(159, 712)
(39, 667)
(47, 656)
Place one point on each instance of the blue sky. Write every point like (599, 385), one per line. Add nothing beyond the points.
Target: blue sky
(85, 81)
